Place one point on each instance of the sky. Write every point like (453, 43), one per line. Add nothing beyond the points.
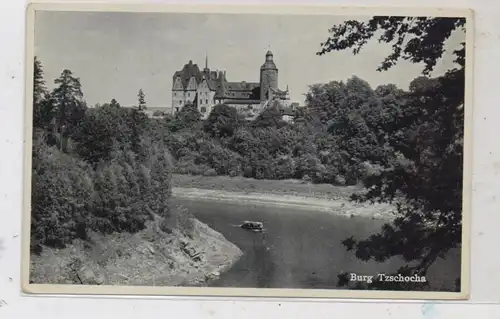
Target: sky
(117, 53)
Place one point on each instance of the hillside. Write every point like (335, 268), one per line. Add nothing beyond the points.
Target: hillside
(150, 257)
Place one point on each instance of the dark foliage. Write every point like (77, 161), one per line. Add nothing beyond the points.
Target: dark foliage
(422, 172)
(222, 121)
(69, 102)
(141, 99)
(92, 178)
(270, 117)
(416, 39)
(187, 118)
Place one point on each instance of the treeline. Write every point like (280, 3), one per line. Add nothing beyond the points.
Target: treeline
(94, 169)
(340, 137)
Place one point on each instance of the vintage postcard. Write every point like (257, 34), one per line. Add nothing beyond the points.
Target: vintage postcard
(239, 150)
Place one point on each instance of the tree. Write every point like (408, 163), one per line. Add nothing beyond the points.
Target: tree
(39, 88)
(323, 101)
(69, 105)
(270, 117)
(43, 106)
(114, 104)
(141, 106)
(423, 173)
(138, 122)
(102, 131)
(222, 121)
(187, 117)
(416, 39)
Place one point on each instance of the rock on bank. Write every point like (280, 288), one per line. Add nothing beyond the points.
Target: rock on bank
(150, 257)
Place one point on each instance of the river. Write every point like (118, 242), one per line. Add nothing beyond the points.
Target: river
(300, 249)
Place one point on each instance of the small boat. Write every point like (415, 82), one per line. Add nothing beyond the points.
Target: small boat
(253, 226)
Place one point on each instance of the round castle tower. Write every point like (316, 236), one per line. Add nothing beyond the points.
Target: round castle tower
(268, 76)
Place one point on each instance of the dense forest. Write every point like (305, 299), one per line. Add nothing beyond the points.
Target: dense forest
(108, 168)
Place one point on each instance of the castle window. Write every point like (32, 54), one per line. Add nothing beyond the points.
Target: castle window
(177, 109)
(203, 109)
(201, 101)
(180, 101)
(206, 101)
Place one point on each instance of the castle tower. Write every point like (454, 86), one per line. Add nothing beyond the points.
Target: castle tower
(268, 76)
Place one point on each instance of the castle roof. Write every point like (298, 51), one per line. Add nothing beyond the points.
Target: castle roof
(238, 90)
(243, 102)
(269, 64)
(188, 71)
(280, 92)
(241, 86)
(212, 84)
(247, 91)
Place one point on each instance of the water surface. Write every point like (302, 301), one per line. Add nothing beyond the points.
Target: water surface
(298, 249)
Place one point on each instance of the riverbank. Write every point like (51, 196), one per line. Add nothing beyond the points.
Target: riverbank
(278, 193)
(150, 257)
(278, 187)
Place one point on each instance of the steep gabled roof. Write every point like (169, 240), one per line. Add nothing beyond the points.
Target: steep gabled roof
(212, 84)
(250, 94)
(217, 82)
(188, 71)
(241, 86)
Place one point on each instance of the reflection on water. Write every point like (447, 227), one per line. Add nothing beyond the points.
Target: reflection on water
(298, 249)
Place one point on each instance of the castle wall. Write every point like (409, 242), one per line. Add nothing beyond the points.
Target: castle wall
(181, 96)
(268, 79)
(177, 100)
(189, 96)
(205, 99)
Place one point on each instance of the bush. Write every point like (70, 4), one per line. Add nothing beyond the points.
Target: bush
(210, 172)
(284, 167)
(221, 159)
(222, 121)
(62, 192)
(310, 165)
(118, 197)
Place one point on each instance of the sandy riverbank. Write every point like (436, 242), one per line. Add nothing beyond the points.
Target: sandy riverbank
(338, 205)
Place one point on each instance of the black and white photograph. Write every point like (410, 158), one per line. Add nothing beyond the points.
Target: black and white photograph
(248, 151)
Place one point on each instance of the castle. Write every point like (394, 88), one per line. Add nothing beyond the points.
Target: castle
(207, 88)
